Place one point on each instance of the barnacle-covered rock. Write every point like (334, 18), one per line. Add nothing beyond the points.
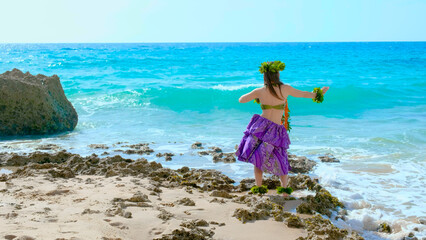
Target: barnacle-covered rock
(167, 156)
(259, 209)
(186, 202)
(229, 157)
(272, 182)
(165, 215)
(300, 164)
(301, 181)
(3, 178)
(216, 149)
(222, 194)
(139, 197)
(193, 234)
(384, 227)
(328, 158)
(36, 157)
(279, 214)
(183, 170)
(217, 156)
(197, 145)
(162, 174)
(63, 164)
(246, 184)
(207, 180)
(195, 223)
(217, 200)
(249, 200)
(63, 173)
(245, 215)
(294, 221)
(321, 228)
(323, 202)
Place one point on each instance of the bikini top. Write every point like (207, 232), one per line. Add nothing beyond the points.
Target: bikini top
(286, 115)
(278, 107)
(264, 106)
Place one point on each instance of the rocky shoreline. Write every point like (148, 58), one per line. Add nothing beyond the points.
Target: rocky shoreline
(122, 193)
(66, 173)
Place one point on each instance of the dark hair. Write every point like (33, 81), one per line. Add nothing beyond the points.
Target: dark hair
(270, 79)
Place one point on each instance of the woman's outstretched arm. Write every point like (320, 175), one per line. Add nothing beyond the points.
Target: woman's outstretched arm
(302, 94)
(249, 96)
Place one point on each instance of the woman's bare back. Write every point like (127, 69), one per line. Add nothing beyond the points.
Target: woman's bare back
(267, 98)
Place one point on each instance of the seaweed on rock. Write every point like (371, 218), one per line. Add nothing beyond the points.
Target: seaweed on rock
(321, 228)
(323, 202)
(193, 234)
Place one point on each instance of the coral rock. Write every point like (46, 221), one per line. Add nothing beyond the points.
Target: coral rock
(300, 164)
(328, 158)
(197, 145)
(384, 227)
(186, 202)
(294, 222)
(139, 197)
(222, 194)
(323, 202)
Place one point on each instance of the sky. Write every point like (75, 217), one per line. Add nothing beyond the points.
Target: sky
(70, 21)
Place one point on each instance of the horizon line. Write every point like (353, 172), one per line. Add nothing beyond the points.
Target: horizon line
(385, 41)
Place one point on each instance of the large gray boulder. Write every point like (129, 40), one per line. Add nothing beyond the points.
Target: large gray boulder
(33, 105)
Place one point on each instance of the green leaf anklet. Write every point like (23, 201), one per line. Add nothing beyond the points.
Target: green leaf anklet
(287, 190)
(259, 190)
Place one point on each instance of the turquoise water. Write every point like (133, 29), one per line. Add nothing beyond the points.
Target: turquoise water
(373, 117)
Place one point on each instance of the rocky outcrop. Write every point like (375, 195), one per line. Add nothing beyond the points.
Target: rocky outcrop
(33, 105)
(328, 158)
(218, 155)
(66, 165)
(300, 164)
(321, 228)
(197, 145)
(193, 234)
(323, 202)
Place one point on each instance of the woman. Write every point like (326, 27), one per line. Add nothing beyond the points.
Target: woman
(266, 141)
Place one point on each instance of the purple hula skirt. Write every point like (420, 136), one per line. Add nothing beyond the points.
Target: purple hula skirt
(265, 145)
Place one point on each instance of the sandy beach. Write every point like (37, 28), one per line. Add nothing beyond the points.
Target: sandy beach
(84, 208)
(67, 196)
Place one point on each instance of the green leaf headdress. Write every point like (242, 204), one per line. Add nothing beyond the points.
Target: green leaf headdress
(274, 67)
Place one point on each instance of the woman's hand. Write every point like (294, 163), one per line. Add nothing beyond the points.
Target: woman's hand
(325, 89)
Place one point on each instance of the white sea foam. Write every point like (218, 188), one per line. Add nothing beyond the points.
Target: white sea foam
(396, 203)
(127, 98)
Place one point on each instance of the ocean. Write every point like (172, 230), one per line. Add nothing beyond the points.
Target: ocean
(170, 95)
